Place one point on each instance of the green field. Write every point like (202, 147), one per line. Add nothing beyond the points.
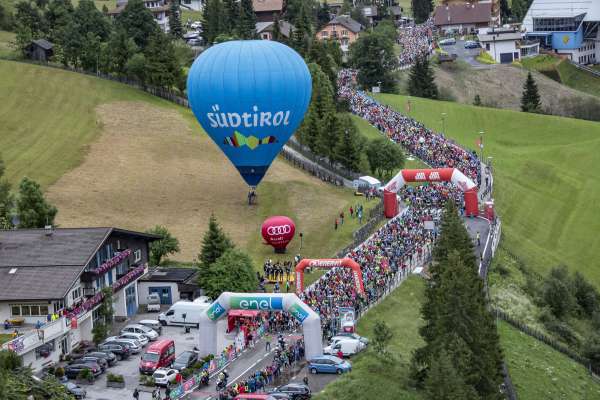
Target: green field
(539, 372)
(6, 48)
(545, 190)
(370, 377)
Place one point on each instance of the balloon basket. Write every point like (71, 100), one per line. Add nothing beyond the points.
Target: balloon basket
(280, 250)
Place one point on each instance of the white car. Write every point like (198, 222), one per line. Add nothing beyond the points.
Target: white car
(348, 347)
(447, 42)
(135, 336)
(164, 376)
(196, 25)
(343, 335)
(134, 345)
(150, 333)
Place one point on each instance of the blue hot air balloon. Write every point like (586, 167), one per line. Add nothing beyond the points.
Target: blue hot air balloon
(249, 96)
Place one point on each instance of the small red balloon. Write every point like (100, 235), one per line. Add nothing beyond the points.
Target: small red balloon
(278, 231)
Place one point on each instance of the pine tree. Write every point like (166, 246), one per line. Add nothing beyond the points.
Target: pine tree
(422, 79)
(213, 20)
(32, 208)
(6, 200)
(162, 67)
(445, 383)
(504, 11)
(302, 36)
(277, 36)
(477, 100)
(214, 244)
(246, 25)
(175, 28)
(530, 102)
(231, 13)
(319, 54)
(349, 147)
(421, 10)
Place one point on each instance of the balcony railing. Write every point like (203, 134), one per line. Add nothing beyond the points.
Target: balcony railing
(89, 291)
(116, 260)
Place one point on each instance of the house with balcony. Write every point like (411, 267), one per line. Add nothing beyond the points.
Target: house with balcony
(342, 29)
(159, 9)
(51, 283)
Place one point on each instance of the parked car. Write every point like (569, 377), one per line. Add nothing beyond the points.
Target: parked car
(185, 360)
(91, 359)
(353, 335)
(141, 338)
(149, 332)
(159, 354)
(196, 25)
(262, 396)
(152, 324)
(471, 44)
(164, 376)
(76, 391)
(121, 350)
(296, 391)
(328, 364)
(447, 42)
(71, 371)
(109, 356)
(134, 346)
(348, 347)
(195, 42)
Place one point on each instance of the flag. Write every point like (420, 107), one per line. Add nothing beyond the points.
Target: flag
(479, 143)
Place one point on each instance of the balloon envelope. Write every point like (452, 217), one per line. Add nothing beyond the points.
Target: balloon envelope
(249, 96)
(278, 231)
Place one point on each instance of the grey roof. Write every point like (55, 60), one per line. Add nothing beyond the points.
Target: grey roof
(169, 274)
(44, 44)
(348, 22)
(284, 27)
(36, 283)
(395, 10)
(34, 248)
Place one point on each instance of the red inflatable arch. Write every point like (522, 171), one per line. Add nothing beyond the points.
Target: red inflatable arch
(390, 204)
(329, 263)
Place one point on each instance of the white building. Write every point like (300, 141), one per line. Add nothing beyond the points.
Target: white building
(51, 283)
(171, 284)
(568, 27)
(506, 45)
(159, 9)
(195, 5)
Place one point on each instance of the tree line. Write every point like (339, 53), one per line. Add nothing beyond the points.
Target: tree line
(131, 45)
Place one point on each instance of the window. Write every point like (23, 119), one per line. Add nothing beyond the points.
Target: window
(487, 46)
(138, 255)
(344, 33)
(15, 310)
(324, 34)
(29, 310)
(75, 294)
(265, 36)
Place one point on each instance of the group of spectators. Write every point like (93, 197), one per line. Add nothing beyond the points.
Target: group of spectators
(415, 41)
(433, 148)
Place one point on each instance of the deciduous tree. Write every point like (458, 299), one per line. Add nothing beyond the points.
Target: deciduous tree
(384, 157)
(32, 208)
(421, 10)
(232, 272)
(163, 247)
(138, 22)
(373, 55)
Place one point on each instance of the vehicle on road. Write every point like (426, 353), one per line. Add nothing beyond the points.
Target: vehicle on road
(196, 25)
(195, 42)
(153, 302)
(159, 354)
(145, 330)
(185, 360)
(121, 350)
(296, 391)
(72, 370)
(91, 359)
(354, 335)
(109, 356)
(183, 312)
(152, 324)
(348, 347)
(328, 365)
(447, 42)
(75, 390)
(164, 376)
(134, 346)
(140, 337)
(471, 44)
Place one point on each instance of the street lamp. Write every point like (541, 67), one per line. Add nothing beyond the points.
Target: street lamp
(301, 235)
(443, 123)
(481, 144)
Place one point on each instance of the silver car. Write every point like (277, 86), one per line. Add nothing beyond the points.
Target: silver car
(148, 332)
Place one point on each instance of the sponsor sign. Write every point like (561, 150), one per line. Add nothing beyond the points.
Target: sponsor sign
(298, 312)
(325, 263)
(215, 311)
(262, 303)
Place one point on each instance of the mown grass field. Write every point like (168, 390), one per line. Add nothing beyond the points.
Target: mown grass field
(110, 155)
(371, 378)
(546, 190)
(539, 372)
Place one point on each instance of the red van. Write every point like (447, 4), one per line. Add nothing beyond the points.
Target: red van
(158, 355)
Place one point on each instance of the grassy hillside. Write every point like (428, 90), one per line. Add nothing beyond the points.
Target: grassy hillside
(110, 155)
(546, 190)
(539, 372)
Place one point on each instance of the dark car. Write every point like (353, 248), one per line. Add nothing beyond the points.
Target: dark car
(109, 356)
(120, 350)
(91, 359)
(296, 391)
(76, 391)
(71, 371)
(471, 44)
(185, 360)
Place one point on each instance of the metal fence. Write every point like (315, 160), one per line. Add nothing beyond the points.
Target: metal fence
(314, 170)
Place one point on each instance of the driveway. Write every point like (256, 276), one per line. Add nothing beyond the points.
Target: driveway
(467, 55)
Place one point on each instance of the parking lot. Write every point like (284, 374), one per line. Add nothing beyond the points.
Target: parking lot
(467, 55)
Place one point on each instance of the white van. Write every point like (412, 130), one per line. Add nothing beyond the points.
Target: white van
(348, 346)
(175, 314)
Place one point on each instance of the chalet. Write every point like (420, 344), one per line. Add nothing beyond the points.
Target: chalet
(159, 9)
(463, 18)
(343, 29)
(51, 283)
(40, 50)
(266, 10)
(264, 30)
(172, 284)
(506, 45)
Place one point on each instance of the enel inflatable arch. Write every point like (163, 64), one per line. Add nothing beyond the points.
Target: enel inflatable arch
(453, 175)
(329, 263)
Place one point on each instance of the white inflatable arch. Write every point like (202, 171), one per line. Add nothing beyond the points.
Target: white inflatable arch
(310, 320)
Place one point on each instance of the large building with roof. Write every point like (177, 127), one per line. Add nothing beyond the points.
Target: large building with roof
(51, 283)
(568, 27)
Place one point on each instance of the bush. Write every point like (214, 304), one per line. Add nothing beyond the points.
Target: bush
(446, 94)
(556, 292)
(563, 331)
(186, 373)
(147, 380)
(59, 372)
(115, 378)
(591, 350)
(587, 108)
(485, 58)
(198, 366)
(208, 358)
(9, 360)
(85, 374)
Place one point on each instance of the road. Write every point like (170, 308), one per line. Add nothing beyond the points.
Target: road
(467, 55)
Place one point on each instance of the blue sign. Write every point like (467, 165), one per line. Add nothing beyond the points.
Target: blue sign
(215, 311)
(567, 40)
(249, 96)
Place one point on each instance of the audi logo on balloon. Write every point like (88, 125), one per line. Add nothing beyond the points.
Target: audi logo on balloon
(278, 231)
